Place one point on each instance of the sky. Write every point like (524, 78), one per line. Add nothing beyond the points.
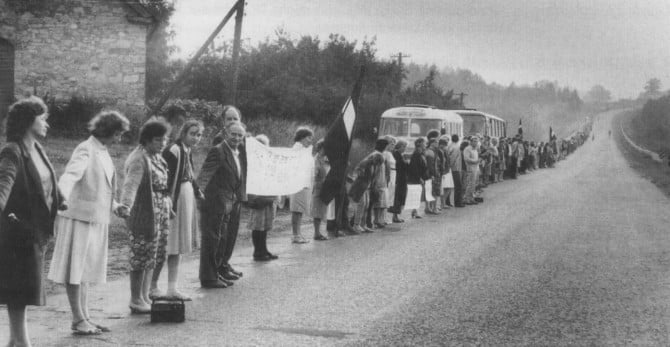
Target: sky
(619, 44)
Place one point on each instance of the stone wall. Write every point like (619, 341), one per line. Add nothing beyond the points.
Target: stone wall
(78, 47)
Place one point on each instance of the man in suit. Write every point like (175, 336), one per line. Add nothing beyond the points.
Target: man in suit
(471, 157)
(223, 180)
(454, 157)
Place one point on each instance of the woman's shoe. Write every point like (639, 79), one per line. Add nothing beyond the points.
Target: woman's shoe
(299, 239)
(380, 226)
(156, 293)
(398, 220)
(319, 237)
(90, 331)
(178, 296)
(102, 328)
(263, 257)
(139, 309)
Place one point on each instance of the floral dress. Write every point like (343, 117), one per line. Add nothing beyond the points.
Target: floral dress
(146, 253)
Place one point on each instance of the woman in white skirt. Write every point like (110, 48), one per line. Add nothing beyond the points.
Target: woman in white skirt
(447, 177)
(300, 201)
(390, 163)
(184, 192)
(88, 185)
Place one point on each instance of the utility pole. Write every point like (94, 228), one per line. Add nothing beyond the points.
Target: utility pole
(461, 98)
(236, 50)
(399, 57)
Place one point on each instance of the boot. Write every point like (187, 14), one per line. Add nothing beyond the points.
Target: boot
(256, 240)
(264, 244)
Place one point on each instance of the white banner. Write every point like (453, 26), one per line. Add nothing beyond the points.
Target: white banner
(413, 200)
(277, 170)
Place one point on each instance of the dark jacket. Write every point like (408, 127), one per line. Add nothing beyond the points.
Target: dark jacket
(417, 171)
(25, 199)
(400, 180)
(220, 181)
(365, 174)
(175, 156)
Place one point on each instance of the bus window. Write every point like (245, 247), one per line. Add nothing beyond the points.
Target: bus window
(421, 127)
(394, 127)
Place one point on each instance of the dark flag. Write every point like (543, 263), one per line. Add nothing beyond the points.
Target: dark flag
(520, 129)
(337, 143)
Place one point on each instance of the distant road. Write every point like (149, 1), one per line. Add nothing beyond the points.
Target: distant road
(576, 255)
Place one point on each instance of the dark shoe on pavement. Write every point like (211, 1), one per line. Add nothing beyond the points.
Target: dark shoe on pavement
(264, 257)
(234, 272)
(380, 226)
(225, 281)
(228, 276)
(272, 256)
(460, 205)
(319, 237)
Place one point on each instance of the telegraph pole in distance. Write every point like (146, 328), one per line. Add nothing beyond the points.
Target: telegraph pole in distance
(399, 57)
(236, 50)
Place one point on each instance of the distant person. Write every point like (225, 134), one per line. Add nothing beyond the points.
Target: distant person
(417, 170)
(29, 200)
(300, 201)
(400, 191)
(447, 179)
(471, 157)
(319, 209)
(390, 163)
(263, 212)
(229, 114)
(359, 191)
(435, 173)
(89, 185)
(456, 164)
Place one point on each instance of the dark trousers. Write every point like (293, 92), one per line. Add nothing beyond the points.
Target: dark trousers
(458, 188)
(218, 236)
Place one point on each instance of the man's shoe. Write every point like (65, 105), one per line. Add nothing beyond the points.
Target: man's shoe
(460, 205)
(264, 257)
(272, 256)
(213, 284)
(225, 281)
(228, 276)
(234, 272)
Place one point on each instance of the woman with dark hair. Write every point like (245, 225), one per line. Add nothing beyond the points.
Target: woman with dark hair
(400, 193)
(183, 191)
(417, 170)
(88, 185)
(300, 201)
(146, 205)
(29, 200)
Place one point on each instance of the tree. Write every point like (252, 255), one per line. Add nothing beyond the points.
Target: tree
(598, 94)
(652, 88)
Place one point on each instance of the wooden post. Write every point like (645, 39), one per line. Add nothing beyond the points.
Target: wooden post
(236, 51)
(182, 75)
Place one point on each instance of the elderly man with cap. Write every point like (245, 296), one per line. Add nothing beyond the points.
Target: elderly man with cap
(471, 158)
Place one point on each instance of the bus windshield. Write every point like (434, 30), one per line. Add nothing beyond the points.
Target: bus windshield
(421, 127)
(473, 124)
(395, 127)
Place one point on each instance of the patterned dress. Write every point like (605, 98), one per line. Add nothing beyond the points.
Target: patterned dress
(145, 253)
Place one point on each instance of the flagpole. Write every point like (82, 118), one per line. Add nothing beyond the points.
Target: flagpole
(343, 189)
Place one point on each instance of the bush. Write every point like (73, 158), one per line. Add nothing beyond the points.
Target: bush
(70, 118)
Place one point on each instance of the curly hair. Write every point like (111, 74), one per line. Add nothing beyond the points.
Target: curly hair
(22, 115)
(301, 133)
(107, 123)
(152, 129)
(188, 125)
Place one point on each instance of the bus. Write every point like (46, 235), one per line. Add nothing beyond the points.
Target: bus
(477, 122)
(410, 122)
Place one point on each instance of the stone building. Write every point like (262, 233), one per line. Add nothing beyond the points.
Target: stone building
(74, 47)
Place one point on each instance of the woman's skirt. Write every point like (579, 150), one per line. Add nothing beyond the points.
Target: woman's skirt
(319, 208)
(381, 198)
(262, 219)
(300, 201)
(80, 252)
(184, 227)
(390, 192)
(448, 180)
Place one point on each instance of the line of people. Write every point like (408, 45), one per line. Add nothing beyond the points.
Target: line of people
(170, 208)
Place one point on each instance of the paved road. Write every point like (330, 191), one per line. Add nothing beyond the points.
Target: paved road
(576, 255)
